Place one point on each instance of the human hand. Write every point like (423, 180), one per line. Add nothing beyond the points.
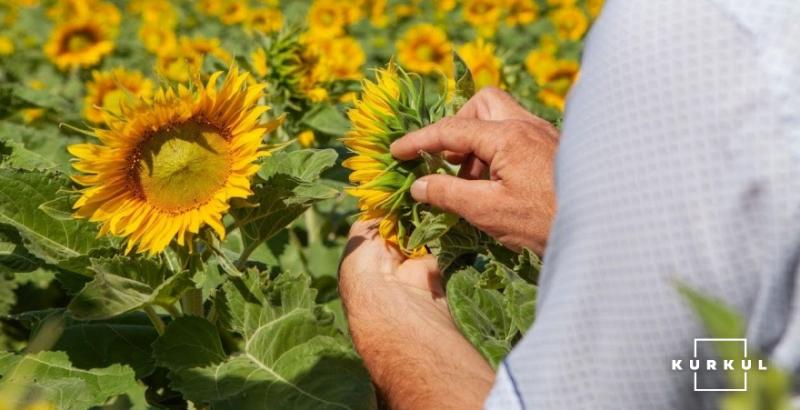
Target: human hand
(401, 326)
(491, 136)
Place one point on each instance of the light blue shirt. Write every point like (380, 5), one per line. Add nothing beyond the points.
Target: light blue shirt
(679, 159)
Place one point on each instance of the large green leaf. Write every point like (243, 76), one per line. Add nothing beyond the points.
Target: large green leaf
(53, 240)
(122, 284)
(290, 185)
(56, 380)
(481, 315)
(292, 354)
(126, 339)
(14, 155)
(327, 119)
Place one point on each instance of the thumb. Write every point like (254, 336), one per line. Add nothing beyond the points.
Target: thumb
(460, 196)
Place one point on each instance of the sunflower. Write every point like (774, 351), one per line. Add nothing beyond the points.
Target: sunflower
(109, 89)
(307, 139)
(78, 43)
(157, 37)
(424, 48)
(97, 10)
(483, 15)
(179, 64)
(484, 65)
(555, 82)
(169, 166)
(327, 18)
(6, 46)
(340, 58)
(206, 46)
(594, 7)
(520, 12)
(570, 22)
(264, 20)
(234, 12)
(388, 108)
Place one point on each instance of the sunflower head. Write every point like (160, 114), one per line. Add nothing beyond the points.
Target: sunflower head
(555, 80)
(264, 20)
(571, 23)
(520, 12)
(482, 62)
(483, 15)
(108, 89)
(424, 49)
(389, 107)
(78, 43)
(169, 166)
(293, 67)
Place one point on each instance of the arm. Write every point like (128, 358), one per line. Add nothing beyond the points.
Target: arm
(396, 308)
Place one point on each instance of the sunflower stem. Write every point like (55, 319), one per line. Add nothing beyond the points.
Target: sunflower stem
(192, 302)
(172, 310)
(155, 319)
(312, 226)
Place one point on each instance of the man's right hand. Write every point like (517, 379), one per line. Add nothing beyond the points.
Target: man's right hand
(505, 186)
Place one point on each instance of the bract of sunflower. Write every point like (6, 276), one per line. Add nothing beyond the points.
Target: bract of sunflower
(389, 107)
(167, 166)
(291, 69)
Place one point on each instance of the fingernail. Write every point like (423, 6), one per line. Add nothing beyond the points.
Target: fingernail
(419, 190)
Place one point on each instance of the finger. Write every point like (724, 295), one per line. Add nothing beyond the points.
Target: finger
(459, 135)
(470, 199)
(367, 253)
(494, 104)
(454, 157)
(472, 168)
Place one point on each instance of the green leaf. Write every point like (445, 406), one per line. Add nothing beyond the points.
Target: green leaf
(189, 341)
(769, 389)
(14, 155)
(432, 227)
(13, 255)
(292, 355)
(521, 304)
(480, 315)
(56, 380)
(461, 239)
(326, 119)
(465, 85)
(305, 165)
(123, 284)
(291, 185)
(53, 240)
(126, 339)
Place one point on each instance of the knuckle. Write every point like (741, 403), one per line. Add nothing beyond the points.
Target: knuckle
(490, 92)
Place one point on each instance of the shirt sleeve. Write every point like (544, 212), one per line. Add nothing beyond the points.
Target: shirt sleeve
(679, 161)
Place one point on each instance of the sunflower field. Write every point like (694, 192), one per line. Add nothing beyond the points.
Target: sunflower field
(178, 178)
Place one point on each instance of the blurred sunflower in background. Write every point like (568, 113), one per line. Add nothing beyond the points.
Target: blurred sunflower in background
(484, 65)
(424, 49)
(107, 90)
(167, 167)
(81, 43)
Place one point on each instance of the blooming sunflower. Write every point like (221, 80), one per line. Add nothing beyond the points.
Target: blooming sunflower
(264, 20)
(98, 10)
(520, 12)
(108, 89)
(389, 107)
(6, 46)
(167, 167)
(327, 18)
(556, 80)
(483, 15)
(76, 43)
(424, 48)
(339, 57)
(157, 37)
(234, 12)
(571, 23)
(179, 64)
(484, 65)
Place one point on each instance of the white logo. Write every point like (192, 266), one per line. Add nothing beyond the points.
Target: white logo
(710, 365)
